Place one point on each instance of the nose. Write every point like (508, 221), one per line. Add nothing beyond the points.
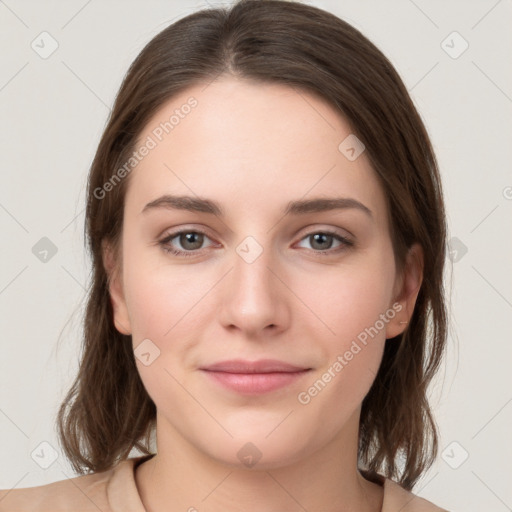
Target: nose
(254, 296)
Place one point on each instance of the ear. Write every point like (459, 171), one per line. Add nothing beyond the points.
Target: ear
(115, 288)
(406, 291)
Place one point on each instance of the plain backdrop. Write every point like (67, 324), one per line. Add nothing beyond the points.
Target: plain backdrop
(454, 59)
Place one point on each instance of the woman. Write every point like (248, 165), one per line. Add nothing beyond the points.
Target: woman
(267, 230)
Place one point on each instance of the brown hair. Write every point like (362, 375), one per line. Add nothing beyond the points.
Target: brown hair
(107, 411)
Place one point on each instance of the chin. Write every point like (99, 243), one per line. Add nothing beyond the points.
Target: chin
(257, 451)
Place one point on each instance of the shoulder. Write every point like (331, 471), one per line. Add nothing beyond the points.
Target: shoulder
(81, 494)
(396, 498)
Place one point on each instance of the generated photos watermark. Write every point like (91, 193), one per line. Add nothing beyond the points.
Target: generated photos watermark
(157, 135)
(342, 360)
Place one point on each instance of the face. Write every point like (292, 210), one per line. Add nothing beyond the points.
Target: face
(312, 287)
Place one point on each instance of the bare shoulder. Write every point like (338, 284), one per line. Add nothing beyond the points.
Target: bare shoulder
(396, 498)
(81, 494)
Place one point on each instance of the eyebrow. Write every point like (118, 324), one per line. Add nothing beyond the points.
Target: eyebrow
(197, 204)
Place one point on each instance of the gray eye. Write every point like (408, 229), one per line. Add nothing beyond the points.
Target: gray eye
(321, 241)
(191, 240)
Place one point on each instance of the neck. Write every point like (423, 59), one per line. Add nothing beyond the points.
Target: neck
(180, 477)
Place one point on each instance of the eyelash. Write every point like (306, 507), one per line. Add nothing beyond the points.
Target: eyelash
(346, 243)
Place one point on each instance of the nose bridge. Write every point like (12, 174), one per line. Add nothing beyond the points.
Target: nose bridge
(252, 299)
(251, 274)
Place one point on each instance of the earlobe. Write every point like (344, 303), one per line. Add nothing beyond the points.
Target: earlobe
(115, 288)
(410, 285)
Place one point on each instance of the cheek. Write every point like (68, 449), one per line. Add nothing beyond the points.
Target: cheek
(349, 312)
(170, 306)
(352, 342)
(164, 304)
(162, 298)
(346, 301)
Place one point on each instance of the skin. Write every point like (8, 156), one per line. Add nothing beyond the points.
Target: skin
(253, 148)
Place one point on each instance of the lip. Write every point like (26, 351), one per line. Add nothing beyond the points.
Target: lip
(254, 377)
(260, 366)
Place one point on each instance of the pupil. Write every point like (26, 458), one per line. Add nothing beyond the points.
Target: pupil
(188, 238)
(321, 237)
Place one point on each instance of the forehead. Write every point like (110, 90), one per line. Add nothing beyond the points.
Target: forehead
(250, 145)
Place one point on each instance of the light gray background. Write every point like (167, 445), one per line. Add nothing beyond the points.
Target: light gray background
(52, 114)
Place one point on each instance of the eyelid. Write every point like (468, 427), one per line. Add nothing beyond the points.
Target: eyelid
(323, 228)
(346, 242)
(168, 236)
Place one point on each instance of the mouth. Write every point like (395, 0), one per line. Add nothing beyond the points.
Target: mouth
(257, 377)
(261, 366)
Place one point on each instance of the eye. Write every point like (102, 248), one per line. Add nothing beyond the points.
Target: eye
(322, 241)
(190, 241)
